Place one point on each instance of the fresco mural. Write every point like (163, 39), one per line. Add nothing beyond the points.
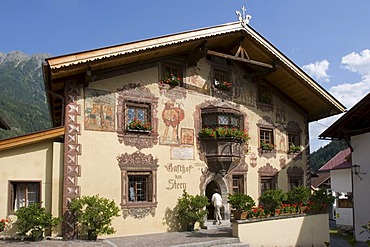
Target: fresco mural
(172, 116)
(187, 136)
(99, 110)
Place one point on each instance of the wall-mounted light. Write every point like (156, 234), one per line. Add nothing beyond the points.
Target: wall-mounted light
(356, 169)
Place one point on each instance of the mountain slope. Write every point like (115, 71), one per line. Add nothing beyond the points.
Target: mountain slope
(23, 103)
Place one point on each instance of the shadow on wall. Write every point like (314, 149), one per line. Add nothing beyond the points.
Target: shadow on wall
(170, 219)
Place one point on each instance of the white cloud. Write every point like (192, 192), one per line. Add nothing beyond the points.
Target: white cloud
(348, 94)
(318, 70)
(358, 62)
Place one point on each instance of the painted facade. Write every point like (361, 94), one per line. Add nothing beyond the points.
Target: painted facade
(131, 134)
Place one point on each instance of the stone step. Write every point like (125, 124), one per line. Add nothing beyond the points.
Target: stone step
(211, 243)
(210, 224)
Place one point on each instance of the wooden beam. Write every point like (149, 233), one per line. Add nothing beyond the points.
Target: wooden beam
(215, 53)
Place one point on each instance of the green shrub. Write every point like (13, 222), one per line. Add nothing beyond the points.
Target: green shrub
(272, 199)
(191, 209)
(320, 201)
(241, 202)
(95, 213)
(32, 221)
(299, 196)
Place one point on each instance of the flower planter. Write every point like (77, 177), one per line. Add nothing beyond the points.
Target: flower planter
(240, 215)
(91, 235)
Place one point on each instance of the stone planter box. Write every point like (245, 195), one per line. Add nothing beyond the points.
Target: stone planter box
(295, 230)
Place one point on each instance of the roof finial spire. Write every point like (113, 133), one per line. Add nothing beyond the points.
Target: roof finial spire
(243, 18)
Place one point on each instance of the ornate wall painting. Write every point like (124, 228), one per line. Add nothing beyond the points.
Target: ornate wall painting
(99, 110)
(172, 115)
(187, 136)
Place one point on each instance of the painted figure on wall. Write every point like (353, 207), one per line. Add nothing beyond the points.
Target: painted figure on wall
(172, 116)
(99, 110)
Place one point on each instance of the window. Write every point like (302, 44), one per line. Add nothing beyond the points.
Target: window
(295, 177)
(137, 121)
(138, 184)
(294, 139)
(266, 135)
(268, 177)
(138, 116)
(22, 194)
(220, 75)
(172, 70)
(268, 183)
(264, 95)
(214, 117)
(294, 182)
(238, 184)
(140, 187)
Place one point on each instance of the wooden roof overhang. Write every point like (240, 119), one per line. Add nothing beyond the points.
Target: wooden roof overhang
(234, 41)
(55, 133)
(354, 122)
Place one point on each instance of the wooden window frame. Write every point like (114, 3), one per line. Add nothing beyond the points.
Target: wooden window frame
(11, 193)
(267, 130)
(167, 68)
(138, 164)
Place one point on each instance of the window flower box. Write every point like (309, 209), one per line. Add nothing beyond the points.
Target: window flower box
(266, 146)
(224, 85)
(171, 80)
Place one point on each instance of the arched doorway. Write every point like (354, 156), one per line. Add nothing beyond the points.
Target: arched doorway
(219, 183)
(209, 192)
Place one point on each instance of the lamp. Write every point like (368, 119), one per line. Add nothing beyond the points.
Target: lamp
(356, 170)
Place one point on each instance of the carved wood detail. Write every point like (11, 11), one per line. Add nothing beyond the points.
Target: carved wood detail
(137, 162)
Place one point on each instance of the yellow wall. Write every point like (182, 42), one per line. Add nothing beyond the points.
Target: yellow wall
(100, 173)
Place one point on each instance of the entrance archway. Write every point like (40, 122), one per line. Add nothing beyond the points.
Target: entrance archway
(219, 183)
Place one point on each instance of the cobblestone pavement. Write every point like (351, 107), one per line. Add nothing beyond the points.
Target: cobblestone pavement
(174, 239)
(155, 240)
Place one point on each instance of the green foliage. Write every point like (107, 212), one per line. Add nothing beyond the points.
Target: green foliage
(320, 201)
(324, 154)
(23, 104)
(33, 220)
(298, 195)
(272, 199)
(191, 209)
(241, 202)
(294, 149)
(225, 132)
(95, 213)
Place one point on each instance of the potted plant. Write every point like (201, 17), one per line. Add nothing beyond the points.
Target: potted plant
(224, 85)
(139, 125)
(224, 132)
(171, 80)
(241, 204)
(3, 224)
(320, 201)
(32, 221)
(191, 209)
(267, 146)
(272, 199)
(95, 214)
(294, 149)
(299, 196)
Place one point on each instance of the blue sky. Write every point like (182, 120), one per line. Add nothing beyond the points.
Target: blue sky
(329, 39)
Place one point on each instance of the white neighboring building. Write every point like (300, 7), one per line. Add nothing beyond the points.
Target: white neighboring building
(341, 185)
(354, 126)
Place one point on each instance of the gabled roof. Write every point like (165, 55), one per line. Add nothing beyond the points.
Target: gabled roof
(263, 59)
(322, 178)
(355, 122)
(31, 138)
(341, 160)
